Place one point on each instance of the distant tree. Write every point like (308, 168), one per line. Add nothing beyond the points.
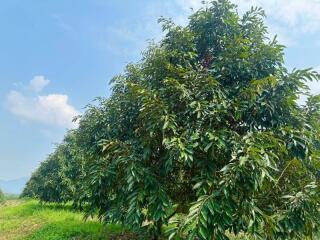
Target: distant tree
(71, 172)
(46, 183)
(58, 179)
(204, 134)
(2, 197)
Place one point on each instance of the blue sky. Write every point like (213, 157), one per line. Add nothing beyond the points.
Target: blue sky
(57, 56)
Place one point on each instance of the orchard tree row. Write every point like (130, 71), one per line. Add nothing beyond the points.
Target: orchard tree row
(203, 135)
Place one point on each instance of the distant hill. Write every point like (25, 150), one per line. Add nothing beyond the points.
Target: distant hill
(13, 186)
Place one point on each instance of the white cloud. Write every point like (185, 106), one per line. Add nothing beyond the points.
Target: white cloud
(38, 83)
(51, 109)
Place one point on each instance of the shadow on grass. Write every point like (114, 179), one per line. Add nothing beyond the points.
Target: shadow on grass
(58, 207)
(64, 230)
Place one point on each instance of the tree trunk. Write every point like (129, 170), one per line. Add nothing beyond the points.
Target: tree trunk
(157, 233)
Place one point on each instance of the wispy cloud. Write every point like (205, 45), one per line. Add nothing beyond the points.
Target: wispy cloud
(60, 22)
(122, 41)
(315, 86)
(300, 15)
(188, 5)
(314, 89)
(51, 109)
(38, 83)
(286, 18)
(129, 41)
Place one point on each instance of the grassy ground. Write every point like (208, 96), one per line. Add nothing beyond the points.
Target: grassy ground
(28, 220)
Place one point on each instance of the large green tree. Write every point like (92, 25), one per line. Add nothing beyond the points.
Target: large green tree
(205, 133)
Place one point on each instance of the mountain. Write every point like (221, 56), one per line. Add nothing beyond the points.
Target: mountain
(13, 186)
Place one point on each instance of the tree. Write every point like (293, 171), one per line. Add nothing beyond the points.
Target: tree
(71, 171)
(205, 133)
(46, 183)
(2, 197)
(208, 124)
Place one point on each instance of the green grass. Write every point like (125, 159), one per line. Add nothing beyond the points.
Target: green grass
(29, 220)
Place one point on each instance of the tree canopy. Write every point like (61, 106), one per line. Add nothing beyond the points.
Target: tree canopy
(204, 134)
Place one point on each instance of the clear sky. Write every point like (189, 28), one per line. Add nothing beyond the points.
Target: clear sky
(57, 56)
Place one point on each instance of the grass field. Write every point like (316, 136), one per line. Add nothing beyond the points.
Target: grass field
(29, 220)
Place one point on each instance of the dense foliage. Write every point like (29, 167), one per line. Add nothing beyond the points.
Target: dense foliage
(204, 134)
